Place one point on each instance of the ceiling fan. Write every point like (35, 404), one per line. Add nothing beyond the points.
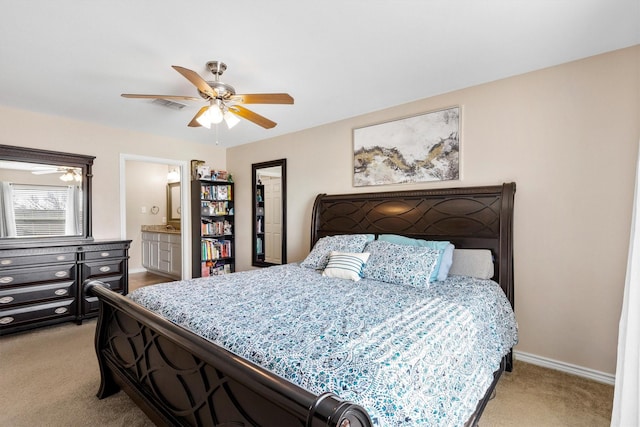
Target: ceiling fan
(66, 173)
(224, 103)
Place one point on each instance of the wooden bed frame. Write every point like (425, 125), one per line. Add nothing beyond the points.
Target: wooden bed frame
(179, 378)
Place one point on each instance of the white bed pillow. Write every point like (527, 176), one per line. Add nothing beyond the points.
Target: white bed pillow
(345, 265)
(476, 263)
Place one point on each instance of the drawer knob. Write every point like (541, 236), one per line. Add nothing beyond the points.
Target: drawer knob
(61, 258)
(6, 300)
(6, 320)
(104, 254)
(61, 274)
(105, 268)
(61, 310)
(6, 262)
(61, 292)
(6, 279)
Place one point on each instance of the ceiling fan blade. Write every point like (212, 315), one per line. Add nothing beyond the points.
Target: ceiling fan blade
(194, 122)
(177, 97)
(251, 116)
(263, 98)
(45, 172)
(196, 80)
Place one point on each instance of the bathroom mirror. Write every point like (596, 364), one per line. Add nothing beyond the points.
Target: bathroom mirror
(44, 195)
(173, 202)
(269, 193)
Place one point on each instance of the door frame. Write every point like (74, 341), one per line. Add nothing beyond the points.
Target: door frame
(185, 207)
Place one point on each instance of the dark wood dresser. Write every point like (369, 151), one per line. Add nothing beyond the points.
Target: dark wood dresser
(43, 285)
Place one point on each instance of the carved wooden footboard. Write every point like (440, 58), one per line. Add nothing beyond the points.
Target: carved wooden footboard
(179, 378)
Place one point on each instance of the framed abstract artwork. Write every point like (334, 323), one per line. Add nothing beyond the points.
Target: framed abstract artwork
(420, 148)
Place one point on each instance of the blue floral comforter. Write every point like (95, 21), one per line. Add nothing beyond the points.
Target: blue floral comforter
(409, 356)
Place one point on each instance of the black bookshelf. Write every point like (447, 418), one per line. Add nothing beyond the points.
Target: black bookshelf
(213, 228)
(259, 224)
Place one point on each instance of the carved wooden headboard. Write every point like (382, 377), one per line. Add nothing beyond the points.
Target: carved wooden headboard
(468, 217)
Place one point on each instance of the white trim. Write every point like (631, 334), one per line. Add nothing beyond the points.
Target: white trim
(185, 211)
(568, 368)
(137, 270)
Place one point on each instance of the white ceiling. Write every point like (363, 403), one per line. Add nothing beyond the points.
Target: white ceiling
(338, 59)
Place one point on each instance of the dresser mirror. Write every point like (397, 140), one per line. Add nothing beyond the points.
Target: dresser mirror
(269, 195)
(44, 195)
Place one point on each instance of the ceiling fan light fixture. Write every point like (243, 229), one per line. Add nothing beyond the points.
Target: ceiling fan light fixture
(231, 119)
(70, 175)
(213, 115)
(203, 120)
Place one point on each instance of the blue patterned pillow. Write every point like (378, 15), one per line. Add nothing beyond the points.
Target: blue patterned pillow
(319, 256)
(345, 265)
(445, 248)
(400, 264)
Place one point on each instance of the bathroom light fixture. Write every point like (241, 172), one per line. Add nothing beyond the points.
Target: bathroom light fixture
(173, 176)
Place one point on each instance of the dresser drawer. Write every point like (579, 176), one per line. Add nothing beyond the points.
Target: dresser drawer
(102, 268)
(29, 294)
(37, 274)
(14, 261)
(37, 312)
(109, 253)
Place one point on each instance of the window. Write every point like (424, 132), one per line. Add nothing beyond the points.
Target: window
(40, 210)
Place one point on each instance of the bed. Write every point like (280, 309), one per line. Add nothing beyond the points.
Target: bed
(179, 377)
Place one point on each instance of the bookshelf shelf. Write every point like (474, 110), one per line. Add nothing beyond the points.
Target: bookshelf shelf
(213, 237)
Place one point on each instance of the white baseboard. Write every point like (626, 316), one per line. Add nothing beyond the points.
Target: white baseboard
(580, 371)
(137, 270)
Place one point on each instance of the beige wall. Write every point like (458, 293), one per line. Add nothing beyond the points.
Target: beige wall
(567, 135)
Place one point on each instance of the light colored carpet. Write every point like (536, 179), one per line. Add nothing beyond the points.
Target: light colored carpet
(49, 377)
(532, 396)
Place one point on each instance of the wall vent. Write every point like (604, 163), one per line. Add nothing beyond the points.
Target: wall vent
(169, 104)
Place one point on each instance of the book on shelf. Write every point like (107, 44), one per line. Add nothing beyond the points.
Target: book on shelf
(222, 192)
(216, 192)
(259, 245)
(215, 208)
(213, 249)
(210, 268)
(216, 227)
